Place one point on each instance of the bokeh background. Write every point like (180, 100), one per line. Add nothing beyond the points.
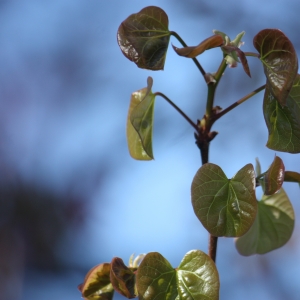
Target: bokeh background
(71, 196)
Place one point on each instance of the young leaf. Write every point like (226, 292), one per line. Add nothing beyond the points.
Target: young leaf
(144, 38)
(191, 52)
(155, 278)
(140, 123)
(291, 176)
(122, 278)
(225, 207)
(197, 277)
(274, 177)
(231, 50)
(279, 60)
(272, 228)
(257, 167)
(283, 122)
(97, 285)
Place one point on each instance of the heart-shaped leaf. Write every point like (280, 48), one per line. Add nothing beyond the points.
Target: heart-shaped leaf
(225, 207)
(97, 285)
(272, 228)
(283, 122)
(291, 176)
(144, 38)
(122, 278)
(156, 279)
(140, 123)
(274, 177)
(279, 60)
(197, 277)
(191, 52)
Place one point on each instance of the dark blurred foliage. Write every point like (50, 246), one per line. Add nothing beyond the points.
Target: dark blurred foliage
(33, 222)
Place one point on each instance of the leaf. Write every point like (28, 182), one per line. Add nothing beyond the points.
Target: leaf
(197, 277)
(279, 60)
(291, 176)
(155, 278)
(225, 207)
(140, 123)
(283, 122)
(191, 52)
(144, 38)
(230, 50)
(122, 278)
(97, 285)
(257, 167)
(272, 228)
(274, 177)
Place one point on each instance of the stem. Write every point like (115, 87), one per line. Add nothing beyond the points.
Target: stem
(252, 54)
(175, 34)
(178, 109)
(232, 106)
(220, 71)
(204, 139)
(212, 250)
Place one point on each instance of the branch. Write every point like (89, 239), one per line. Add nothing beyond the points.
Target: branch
(252, 54)
(175, 34)
(232, 106)
(178, 109)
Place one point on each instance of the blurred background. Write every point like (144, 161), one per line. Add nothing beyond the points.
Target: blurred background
(71, 196)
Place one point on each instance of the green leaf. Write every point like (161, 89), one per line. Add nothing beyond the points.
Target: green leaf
(122, 278)
(279, 60)
(197, 277)
(274, 177)
(155, 278)
(225, 207)
(140, 123)
(291, 176)
(272, 228)
(283, 122)
(96, 285)
(257, 167)
(144, 38)
(209, 43)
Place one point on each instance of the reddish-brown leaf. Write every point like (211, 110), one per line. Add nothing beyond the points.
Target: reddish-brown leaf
(274, 177)
(279, 60)
(191, 52)
(122, 278)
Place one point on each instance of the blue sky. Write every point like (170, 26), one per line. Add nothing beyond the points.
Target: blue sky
(65, 90)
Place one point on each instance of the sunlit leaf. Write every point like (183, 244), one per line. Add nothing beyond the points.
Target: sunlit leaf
(283, 122)
(272, 228)
(191, 52)
(291, 176)
(156, 279)
(274, 177)
(225, 207)
(97, 285)
(279, 60)
(144, 38)
(197, 277)
(122, 278)
(140, 123)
